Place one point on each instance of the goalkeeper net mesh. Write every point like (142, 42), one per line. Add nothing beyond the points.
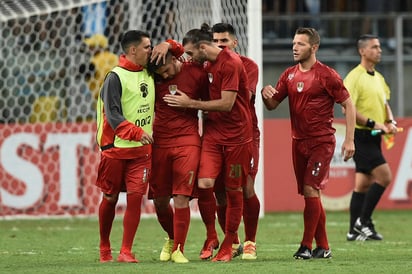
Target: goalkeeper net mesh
(49, 74)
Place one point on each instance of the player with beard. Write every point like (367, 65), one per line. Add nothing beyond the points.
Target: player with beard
(312, 89)
(176, 150)
(227, 137)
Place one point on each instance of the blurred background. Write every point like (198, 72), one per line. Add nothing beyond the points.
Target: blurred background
(339, 23)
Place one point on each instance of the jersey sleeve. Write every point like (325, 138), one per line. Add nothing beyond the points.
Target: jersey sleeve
(351, 87)
(252, 71)
(176, 48)
(253, 77)
(386, 89)
(230, 76)
(282, 87)
(129, 131)
(111, 93)
(335, 87)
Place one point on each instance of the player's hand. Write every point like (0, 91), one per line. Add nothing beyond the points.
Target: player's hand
(146, 139)
(267, 97)
(348, 150)
(159, 53)
(391, 128)
(180, 99)
(268, 92)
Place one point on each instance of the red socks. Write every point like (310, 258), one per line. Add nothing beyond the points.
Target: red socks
(165, 218)
(221, 216)
(251, 209)
(106, 217)
(234, 210)
(181, 227)
(311, 216)
(131, 220)
(207, 208)
(321, 237)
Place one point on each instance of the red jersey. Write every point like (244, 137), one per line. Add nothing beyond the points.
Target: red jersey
(175, 126)
(252, 71)
(312, 95)
(234, 127)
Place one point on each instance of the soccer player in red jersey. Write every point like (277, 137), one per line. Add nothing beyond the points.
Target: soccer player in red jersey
(227, 137)
(312, 89)
(224, 36)
(176, 151)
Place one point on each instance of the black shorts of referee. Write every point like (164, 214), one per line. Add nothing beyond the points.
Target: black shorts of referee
(368, 151)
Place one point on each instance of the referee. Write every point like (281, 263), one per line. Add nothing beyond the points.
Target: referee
(371, 95)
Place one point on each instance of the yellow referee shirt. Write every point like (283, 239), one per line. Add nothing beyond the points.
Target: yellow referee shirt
(369, 93)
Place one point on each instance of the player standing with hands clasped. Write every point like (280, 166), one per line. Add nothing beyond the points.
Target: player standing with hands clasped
(226, 144)
(312, 89)
(370, 94)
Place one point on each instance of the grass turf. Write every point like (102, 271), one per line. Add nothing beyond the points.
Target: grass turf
(71, 246)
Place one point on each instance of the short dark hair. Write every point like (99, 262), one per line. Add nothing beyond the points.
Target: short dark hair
(132, 37)
(224, 27)
(364, 38)
(313, 34)
(152, 67)
(195, 36)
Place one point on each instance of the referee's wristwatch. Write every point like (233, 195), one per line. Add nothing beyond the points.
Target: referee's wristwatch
(370, 123)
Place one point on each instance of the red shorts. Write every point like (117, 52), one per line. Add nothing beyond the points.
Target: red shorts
(175, 171)
(233, 161)
(254, 163)
(116, 175)
(311, 161)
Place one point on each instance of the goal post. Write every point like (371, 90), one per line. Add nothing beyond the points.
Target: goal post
(48, 75)
(254, 51)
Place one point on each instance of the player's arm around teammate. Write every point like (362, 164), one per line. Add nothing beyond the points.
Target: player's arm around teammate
(227, 135)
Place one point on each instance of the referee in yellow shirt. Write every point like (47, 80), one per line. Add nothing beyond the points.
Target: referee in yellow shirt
(370, 94)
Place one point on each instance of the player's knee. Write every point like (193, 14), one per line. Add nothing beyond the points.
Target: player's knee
(112, 198)
(220, 198)
(234, 189)
(385, 181)
(310, 191)
(161, 203)
(248, 192)
(181, 201)
(206, 183)
(249, 188)
(362, 188)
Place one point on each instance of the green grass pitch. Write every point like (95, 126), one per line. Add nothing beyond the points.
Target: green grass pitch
(71, 246)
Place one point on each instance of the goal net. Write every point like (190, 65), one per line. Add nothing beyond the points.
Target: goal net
(49, 74)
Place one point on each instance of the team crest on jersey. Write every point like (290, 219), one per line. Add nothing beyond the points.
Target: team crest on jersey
(291, 76)
(210, 75)
(144, 89)
(300, 86)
